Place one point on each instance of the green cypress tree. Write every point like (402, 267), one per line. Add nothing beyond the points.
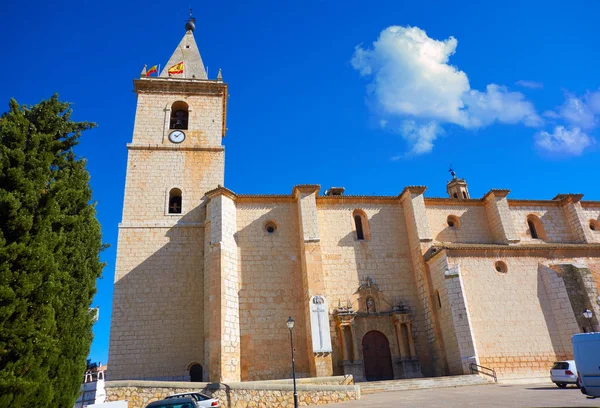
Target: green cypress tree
(50, 242)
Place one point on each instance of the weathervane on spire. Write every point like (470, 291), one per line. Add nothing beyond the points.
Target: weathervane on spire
(189, 25)
(452, 172)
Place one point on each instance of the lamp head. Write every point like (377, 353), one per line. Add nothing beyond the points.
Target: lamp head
(587, 313)
(290, 323)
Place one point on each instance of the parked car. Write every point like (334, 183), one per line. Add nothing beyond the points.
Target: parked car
(564, 373)
(183, 402)
(586, 348)
(203, 400)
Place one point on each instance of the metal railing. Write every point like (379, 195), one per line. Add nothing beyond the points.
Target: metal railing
(475, 368)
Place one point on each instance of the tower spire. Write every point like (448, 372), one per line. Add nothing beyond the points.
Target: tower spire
(188, 55)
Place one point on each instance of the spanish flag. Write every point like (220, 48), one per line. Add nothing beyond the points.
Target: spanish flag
(152, 70)
(176, 69)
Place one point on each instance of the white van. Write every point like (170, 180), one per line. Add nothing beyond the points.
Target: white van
(586, 348)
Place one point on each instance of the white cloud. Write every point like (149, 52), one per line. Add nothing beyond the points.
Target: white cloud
(530, 84)
(413, 80)
(581, 111)
(563, 141)
(421, 137)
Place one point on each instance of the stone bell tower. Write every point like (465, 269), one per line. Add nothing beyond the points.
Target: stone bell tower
(457, 188)
(175, 157)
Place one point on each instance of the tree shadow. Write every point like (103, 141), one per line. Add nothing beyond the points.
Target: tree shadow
(157, 319)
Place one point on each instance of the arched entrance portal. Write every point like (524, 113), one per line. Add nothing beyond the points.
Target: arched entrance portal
(196, 373)
(377, 357)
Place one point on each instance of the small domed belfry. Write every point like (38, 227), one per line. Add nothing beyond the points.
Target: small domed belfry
(457, 188)
(379, 287)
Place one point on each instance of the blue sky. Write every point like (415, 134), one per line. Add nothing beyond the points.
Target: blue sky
(370, 97)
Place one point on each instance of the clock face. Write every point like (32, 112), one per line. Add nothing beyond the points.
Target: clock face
(177, 136)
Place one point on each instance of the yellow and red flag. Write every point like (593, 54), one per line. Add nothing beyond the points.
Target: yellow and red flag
(152, 70)
(176, 69)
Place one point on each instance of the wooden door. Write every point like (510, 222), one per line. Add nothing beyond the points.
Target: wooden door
(377, 358)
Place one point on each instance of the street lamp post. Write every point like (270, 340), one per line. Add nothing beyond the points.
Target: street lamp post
(290, 325)
(587, 313)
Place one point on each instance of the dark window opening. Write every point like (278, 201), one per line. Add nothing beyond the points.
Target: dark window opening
(196, 373)
(464, 194)
(455, 195)
(501, 267)
(532, 229)
(359, 227)
(175, 201)
(270, 227)
(438, 299)
(179, 115)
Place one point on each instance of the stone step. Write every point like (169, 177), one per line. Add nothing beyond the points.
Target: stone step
(422, 383)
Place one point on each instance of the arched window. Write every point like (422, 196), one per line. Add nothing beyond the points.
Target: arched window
(179, 115)
(594, 225)
(361, 224)
(536, 229)
(196, 372)
(453, 221)
(455, 195)
(175, 201)
(464, 194)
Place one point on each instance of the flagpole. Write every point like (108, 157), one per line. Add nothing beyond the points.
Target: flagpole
(158, 73)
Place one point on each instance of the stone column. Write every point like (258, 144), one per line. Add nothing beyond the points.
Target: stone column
(221, 287)
(320, 364)
(402, 347)
(499, 218)
(342, 331)
(411, 341)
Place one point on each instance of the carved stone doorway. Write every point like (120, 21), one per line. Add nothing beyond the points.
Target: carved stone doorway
(377, 357)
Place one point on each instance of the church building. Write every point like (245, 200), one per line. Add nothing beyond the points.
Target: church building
(380, 287)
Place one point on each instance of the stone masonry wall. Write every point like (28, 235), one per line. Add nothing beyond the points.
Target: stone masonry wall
(385, 257)
(552, 217)
(270, 291)
(157, 323)
(473, 228)
(592, 213)
(512, 314)
(234, 395)
(153, 112)
(151, 174)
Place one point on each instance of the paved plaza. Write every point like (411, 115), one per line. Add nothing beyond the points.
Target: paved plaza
(496, 395)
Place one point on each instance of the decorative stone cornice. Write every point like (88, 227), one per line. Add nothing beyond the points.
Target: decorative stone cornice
(452, 201)
(547, 250)
(180, 86)
(357, 199)
(522, 203)
(132, 146)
